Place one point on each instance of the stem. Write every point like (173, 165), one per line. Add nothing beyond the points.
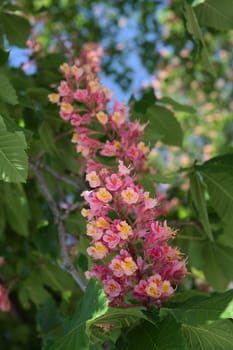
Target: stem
(184, 223)
(77, 186)
(69, 267)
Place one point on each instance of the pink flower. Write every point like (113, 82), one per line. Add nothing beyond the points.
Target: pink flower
(152, 290)
(111, 239)
(119, 213)
(81, 95)
(63, 88)
(110, 149)
(97, 251)
(116, 267)
(93, 179)
(122, 169)
(129, 267)
(64, 115)
(113, 182)
(103, 195)
(93, 231)
(129, 196)
(2, 261)
(125, 230)
(112, 288)
(4, 301)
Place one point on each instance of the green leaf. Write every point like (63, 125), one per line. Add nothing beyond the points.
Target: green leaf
(199, 309)
(216, 14)
(218, 262)
(7, 92)
(163, 123)
(196, 2)
(16, 28)
(176, 105)
(166, 335)
(48, 316)
(218, 176)
(146, 100)
(194, 29)
(224, 161)
(148, 183)
(116, 319)
(16, 206)
(198, 196)
(34, 288)
(13, 159)
(164, 179)
(31, 289)
(3, 56)
(38, 95)
(226, 238)
(52, 275)
(93, 305)
(217, 336)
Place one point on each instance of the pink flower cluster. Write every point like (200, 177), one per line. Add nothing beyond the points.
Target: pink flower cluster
(4, 301)
(129, 246)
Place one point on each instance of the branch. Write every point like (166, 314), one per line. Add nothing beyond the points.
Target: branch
(184, 223)
(68, 265)
(77, 186)
(71, 208)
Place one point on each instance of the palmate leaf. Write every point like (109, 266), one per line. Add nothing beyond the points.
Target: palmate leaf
(176, 105)
(216, 14)
(163, 123)
(117, 319)
(7, 92)
(199, 309)
(16, 208)
(93, 305)
(218, 176)
(218, 262)
(226, 238)
(194, 29)
(197, 193)
(16, 28)
(34, 288)
(13, 158)
(216, 336)
(165, 335)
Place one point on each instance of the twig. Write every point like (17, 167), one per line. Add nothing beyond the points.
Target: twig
(184, 223)
(71, 208)
(77, 186)
(69, 267)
